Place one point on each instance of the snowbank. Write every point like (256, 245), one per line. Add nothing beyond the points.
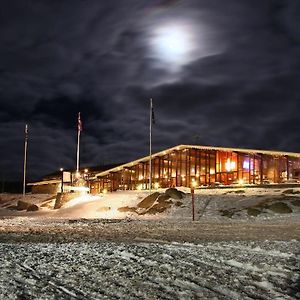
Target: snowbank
(210, 204)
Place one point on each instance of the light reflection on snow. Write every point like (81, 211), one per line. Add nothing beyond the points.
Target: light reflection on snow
(83, 198)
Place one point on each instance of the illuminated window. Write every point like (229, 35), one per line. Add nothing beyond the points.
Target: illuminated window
(230, 165)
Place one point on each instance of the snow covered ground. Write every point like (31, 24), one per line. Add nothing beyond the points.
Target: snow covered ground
(208, 202)
(89, 249)
(223, 270)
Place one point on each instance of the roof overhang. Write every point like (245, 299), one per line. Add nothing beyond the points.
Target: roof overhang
(182, 147)
(53, 181)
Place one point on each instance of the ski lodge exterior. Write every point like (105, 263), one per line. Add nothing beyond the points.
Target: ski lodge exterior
(192, 165)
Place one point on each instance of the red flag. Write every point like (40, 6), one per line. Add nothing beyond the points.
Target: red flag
(79, 123)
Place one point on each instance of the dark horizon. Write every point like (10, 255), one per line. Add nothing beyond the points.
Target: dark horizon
(218, 75)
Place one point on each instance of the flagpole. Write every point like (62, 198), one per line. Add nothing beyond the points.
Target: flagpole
(78, 141)
(25, 160)
(150, 145)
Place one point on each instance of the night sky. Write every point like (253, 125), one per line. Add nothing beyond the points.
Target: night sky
(221, 73)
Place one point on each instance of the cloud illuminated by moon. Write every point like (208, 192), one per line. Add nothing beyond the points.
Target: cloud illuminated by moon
(174, 43)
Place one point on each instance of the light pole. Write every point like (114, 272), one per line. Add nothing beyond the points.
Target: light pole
(86, 175)
(62, 180)
(194, 184)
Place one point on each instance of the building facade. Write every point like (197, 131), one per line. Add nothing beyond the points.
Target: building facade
(187, 165)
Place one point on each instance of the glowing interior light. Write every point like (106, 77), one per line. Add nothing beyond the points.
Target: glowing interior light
(229, 165)
(141, 177)
(104, 191)
(241, 181)
(156, 185)
(246, 165)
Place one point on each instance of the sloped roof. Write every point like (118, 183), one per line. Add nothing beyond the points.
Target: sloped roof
(55, 177)
(51, 181)
(181, 147)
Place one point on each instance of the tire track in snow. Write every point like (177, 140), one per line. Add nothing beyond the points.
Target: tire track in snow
(276, 274)
(260, 273)
(134, 256)
(147, 271)
(45, 280)
(197, 286)
(228, 267)
(208, 286)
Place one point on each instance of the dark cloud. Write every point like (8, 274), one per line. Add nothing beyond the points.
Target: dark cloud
(237, 87)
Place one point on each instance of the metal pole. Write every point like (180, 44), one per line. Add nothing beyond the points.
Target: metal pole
(62, 181)
(78, 140)
(150, 147)
(25, 160)
(89, 185)
(193, 203)
(79, 128)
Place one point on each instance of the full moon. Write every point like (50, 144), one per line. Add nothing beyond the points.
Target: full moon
(173, 43)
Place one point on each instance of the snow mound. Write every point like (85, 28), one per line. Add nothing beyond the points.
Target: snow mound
(210, 204)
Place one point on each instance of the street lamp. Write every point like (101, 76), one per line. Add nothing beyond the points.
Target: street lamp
(86, 176)
(62, 180)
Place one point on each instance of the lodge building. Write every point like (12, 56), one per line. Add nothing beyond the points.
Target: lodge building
(187, 165)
